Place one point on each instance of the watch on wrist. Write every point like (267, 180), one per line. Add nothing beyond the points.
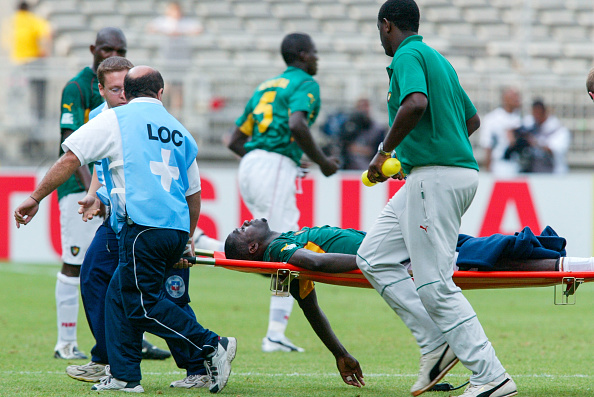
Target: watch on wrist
(380, 150)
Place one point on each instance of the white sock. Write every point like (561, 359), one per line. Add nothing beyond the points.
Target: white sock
(572, 264)
(66, 308)
(278, 318)
(202, 241)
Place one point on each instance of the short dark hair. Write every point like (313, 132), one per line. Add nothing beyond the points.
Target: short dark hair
(234, 249)
(112, 64)
(404, 14)
(23, 6)
(147, 85)
(293, 44)
(539, 103)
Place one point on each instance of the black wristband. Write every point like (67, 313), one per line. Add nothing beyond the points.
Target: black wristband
(37, 201)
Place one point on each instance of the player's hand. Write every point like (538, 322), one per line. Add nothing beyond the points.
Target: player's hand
(25, 212)
(350, 371)
(330, 166)
(374, 172)
(90, 206)
(188, 251)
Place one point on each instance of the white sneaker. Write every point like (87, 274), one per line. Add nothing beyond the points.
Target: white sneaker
(108, 382)
(502, 387)
(192, 381)
(69, 351)
(281, 345)
(91, 372)
(432, 367)
(218, 364)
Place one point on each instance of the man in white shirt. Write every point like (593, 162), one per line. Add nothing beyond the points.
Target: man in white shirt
(495, 131)
(550, 141)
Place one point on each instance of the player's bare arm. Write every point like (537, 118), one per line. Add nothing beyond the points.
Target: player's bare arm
(410, 112)
(473, 123)
(57, 175)
(237, 142)
(302, 135)
(90, 205)
(82, 173)
(323, 262)
(348, 366)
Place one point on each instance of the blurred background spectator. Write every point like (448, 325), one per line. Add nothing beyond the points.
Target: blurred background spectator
(28, 38)
(549, 141)
(359, 137)
(175, 51)
(496, 133)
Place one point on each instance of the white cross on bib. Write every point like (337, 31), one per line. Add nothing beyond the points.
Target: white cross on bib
(163, 169)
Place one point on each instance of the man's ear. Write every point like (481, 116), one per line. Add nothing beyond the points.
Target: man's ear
(253, 247)
(388, 25)
(591, 94)
(160, 94)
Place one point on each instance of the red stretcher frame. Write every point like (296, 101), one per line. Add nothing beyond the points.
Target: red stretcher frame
(464, 279)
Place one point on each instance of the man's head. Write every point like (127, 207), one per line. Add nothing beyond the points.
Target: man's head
(299, 50)
(590, 83)
(111, 74)
(143, 81)
(249, 241)
(109, 42)
(396, 20)
(23, 6)
(510, 99)
(539, 112)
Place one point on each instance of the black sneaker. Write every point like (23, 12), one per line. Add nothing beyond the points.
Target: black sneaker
(152, 352)
(218, 364)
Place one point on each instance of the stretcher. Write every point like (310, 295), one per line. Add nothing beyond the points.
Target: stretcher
(468, 280)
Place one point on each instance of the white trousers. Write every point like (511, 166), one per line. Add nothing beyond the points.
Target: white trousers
(267, 186)
(422, 222)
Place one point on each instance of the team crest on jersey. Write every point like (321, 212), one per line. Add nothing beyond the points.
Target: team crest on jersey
(74, 250)
(175, 286)
(288, 247)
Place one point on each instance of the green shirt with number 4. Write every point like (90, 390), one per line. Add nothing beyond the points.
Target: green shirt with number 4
(266, 115)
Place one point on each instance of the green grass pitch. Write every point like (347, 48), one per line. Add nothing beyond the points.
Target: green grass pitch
(548, 349)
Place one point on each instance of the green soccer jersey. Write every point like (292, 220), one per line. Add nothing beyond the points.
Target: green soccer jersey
(79, 97)
(323, 239)
(266, 115)
(441, 136)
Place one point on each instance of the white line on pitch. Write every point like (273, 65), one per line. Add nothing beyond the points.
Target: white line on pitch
(550, 376)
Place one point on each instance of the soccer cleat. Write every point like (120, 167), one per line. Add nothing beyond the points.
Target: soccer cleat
(108, 382)
(91, 372)
(502, 387)
(218, 364)
(152, 352)
(192, 382)
(433, 366)
(281, 345)
(69, 352)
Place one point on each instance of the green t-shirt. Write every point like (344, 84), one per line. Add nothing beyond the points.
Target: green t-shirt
(441, 136)
(79, 97)
(318, 239)
(266, 115)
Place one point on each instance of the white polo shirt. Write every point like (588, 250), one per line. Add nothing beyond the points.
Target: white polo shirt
(101, 138)
(494, 135)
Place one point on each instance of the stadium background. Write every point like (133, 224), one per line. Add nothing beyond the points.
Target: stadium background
(542, 47)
